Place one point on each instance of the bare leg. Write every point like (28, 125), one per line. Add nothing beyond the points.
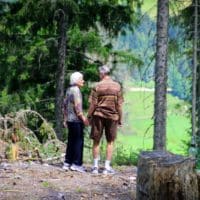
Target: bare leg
(95, 150)
(109, 151)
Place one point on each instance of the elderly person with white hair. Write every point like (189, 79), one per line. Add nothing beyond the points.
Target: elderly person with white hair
(74, 120)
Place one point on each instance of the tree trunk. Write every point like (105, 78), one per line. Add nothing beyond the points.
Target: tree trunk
(196, 76)
(161, 76)
(165, 176)
(60, 74)
(198, 178)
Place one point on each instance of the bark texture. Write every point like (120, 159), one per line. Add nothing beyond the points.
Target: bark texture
(60, 74)
(165, 176)
(161, 76)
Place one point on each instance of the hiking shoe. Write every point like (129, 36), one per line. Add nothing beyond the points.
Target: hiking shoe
(95, 170)
(109, 171)
(77, 168)
(66, 166)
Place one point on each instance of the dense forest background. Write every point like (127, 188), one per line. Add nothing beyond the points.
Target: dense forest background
(28, 55)
(119, 33)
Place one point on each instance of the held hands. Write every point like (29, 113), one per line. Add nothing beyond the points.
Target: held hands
(85, 121)
(90, 120)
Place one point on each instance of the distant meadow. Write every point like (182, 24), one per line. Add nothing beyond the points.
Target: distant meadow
(137, 130)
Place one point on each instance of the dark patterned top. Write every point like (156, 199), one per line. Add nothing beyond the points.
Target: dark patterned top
(73, 104)
(107, 98)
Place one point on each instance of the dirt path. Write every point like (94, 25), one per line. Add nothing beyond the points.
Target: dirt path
(35, 181)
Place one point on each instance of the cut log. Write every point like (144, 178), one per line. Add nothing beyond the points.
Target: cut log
(198, 177)
(165, 176)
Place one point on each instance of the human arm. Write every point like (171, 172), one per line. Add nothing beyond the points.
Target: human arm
(120, 115)
(92, 103)
(120, 101)
(83, 119)
(78, 107)
(64, 111)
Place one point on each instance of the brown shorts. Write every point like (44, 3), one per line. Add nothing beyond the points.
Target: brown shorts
(98, 126)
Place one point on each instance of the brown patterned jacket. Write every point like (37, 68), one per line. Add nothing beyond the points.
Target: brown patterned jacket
(106, 100)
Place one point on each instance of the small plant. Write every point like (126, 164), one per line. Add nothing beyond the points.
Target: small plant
(49, 150)
(45, 131)
(8, 152)
(79, 190)
(124, 156)
(45, 184)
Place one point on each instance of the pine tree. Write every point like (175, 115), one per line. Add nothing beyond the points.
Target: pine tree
(161, 76)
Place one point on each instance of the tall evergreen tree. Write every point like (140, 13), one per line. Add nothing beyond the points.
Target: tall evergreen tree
(189, 19)
(53, 37)
(161, 76)
(60, 75)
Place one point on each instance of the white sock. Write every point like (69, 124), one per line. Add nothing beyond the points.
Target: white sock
(96, 160)
(107, 164)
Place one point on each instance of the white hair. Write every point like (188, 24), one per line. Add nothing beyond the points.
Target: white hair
(75, 77)
(104, 69)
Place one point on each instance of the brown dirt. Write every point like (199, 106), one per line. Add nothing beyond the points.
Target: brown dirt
(35, 181)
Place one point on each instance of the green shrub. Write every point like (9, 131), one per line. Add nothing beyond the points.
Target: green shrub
(125, 156)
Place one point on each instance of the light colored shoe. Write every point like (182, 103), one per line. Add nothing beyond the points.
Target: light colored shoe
(77, 168)
(108, 171)
(94, 170)
(66, 166)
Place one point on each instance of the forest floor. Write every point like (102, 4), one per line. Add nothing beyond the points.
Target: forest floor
(35, 181)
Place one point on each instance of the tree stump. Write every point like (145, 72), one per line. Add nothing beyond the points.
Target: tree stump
(165, 176)
(198, 178)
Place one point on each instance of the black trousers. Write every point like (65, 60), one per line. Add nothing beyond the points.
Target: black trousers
(74, 150)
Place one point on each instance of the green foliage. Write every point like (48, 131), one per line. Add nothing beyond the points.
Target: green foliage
(8, 103)
(49, 150)
(129, 58)
(45, 131)
(141, 45)
(33, 148)
(125, 156)
(89, 40)
(45, 184)
(11, 59)
(28, 49)
(8, 151)
(28, 53)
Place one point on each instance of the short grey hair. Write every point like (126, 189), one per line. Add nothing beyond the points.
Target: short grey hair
(75, 77)
(104, 69)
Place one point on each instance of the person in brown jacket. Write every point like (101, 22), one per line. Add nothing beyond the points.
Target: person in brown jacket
(105, 113)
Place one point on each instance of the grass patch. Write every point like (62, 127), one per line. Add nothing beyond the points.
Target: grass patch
(150, 7)
(137, 131)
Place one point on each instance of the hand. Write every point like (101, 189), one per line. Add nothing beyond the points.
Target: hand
(85, 121)
(90, 120)
(65, 124)
(120, 124)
